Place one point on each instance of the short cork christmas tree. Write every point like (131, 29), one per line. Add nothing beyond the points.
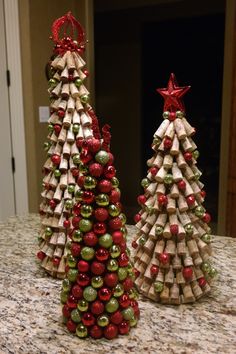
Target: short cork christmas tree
(71, 121)
(172, 243)
(98, 294)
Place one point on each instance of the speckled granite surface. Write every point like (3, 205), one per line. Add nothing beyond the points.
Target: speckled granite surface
(30, 314)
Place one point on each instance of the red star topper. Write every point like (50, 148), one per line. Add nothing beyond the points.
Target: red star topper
(173, 94)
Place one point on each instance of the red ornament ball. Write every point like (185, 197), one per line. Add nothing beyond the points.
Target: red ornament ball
(154, 270)
(124, 301)
(90, 239)
(77, 291)
(56, 261)
(85, 156)
(115, 223)
(88, 319)
(111, 159)
(104, 186)
(56, 159)
(174, 229)
(117, 237)
(110, 331)
(172, 116)
(187, 273)
(114, 196)
(203, 194)
(116, 317)
(76, 209)
(164, 258)
(124, 327)
(52, 204)
(66, 311)
(134, 244)
(75, 249)
(88, 197)
(190, 200)
(94, 145)
(80, 181)
(136, 273)
(99, 228)
(137, 218)
(97, 307)
(123, 246)
(95, 169)
(206, 218)
(102, 254)
(141, 199)
(83, 279)
(202, 282)
(61, 113)
(66, 224)
(79, 142)
(71, 302)
(188, 156)
(153, 170)
(123, 260)
(71, 326)
(109, 171)
(104, 294)
(57, 129)
(101, 214)
(167, 143)
(181, 185)
(95, 332)
(162, 200)
(75, 221)
(111, 279)
(128, 284)
(83, 266)
(98, 268)
(41, 255)
(75, 172)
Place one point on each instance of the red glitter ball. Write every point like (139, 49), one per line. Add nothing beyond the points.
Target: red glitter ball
(187, 273)
(97, 268)
(104, 186)
(124, 327)
(66, 311)
(71, 326)
(114, 196)
(164, 258)
(124, 301)
(77, 291)
(75, 249)
(116, 317)
(117, 237)
(97, 307)
(96, 332)
(110, 331)
(95, 169)
(41, 255)
(90, 239)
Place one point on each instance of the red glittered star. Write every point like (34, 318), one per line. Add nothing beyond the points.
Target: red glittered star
(173, 95)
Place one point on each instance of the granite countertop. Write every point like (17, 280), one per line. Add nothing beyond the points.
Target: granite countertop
(30, 312)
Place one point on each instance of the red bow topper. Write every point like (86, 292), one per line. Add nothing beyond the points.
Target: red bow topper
(71, 40)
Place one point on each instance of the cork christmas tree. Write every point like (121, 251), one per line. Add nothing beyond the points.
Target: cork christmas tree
(71, 121)
(172, 243)
(98, 294)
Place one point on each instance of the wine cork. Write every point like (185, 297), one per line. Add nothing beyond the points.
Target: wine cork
(71, 105)
(161, 174)
(174, 192)
(160, 148)
(161, 219)
(174, 150)
(53, 119)
(70, 178)
(58, 194)
(188, 190)
(176, 262)
(193, 248)
(189, 129)
(146, 228)
(79, 62)
(78, 105)
(145, 258)
(76, 75)
(196, 170)
(87, 132)
(182, 204)
(170, 132)
(184, 218)
(169, 276)
(43, 193)
(74, 149)
(55, 104)
(181, 248)
(189, 174)
(58, 252)
(186, 145)
(55, 61)
(70, 61)
(182, 164)
(179, 277)
(62, 135)
(58, 149)
(145, 286)
(188, 261)
(153, 295)
(174, 294)
(161, 189)
(202, 246)
(76, 118)
(206, 289)
(49, 194)
(70, 138)
(166, 231)
(180, 129)
(176, 172)
(59, 208)
(168, 161)
(53, 181)
(152, 232)
(160, 246)
(49, 251)
(194, 146)
(160, 132)
(83, 91)
(151, 219)
(56, 76)
(67, 120)
(164, 295)
(51, 150)
(150, 201)
(67, 194)
(170, 247)
(57, 90)
(64, 75)
(197, 260)
(195, 187)
(61, 63)
(82, 75)
(85, 119)
(161, 275)
(71, 164)
(62, 267)
(47, 164)
(149, 246)
(151, 189)
(61, 239)
(63, 181)
(188, 294)
(158, 161)
(156, 206)
(171, 205)
(74, 90)
(150, 161)
(65, 91)
(63, 164)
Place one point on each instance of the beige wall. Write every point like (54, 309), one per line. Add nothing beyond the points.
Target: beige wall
(36, 18)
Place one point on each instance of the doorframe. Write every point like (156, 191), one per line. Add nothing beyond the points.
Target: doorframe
(12, 31)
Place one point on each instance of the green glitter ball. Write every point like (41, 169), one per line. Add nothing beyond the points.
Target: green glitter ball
(71, 261)
(75, 316)
(133, 321)
(57, 173)
(71, 188)
(78, 82)
(115, 182)
(179, 114)
(87, 253)
(69, 204)
(86, 211)
(112, 305)
(195, 154)
(159, 230)
(102, 157)
(206, 238)
(112, 265)
(118, 290)
(188, 229)
(48, 231)
(97, 281)
(72, 274)
(113, 210)
(64, 296)
(114, 251)
(66, 285)
(76, 159)
(81, 331)
(206, 267)
(122, 273)
(77, 236)
(142, 240)
(90, 182)
(145, 182)
(102, 199)
(90, 294)
(213, 272)
(83, 168)
(84, 98)
(79, 195)
(124, 231)
(75, 128)
(168, 179)
(199, 211)
(83, 305)
(103, 320)
(158, 286)
(133, 294)
(105, 240)
(166, 115)
(128, 313)
(85, 225)
(123, 218)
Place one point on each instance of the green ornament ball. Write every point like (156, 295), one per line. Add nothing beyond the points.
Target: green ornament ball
(213, 272)
(123, 218)
(50, 128)
(142, 240)
(71, 261)
(66, 285)
(145, 182)
(64, 296)
(166, 115)
(71, 188)
(77, 236)
(81, 331)
(132, 294)
(52, 82)
(122, 273)
(79, 195)
(113, 210)
(75, 316)
(48, 231)
(76, 128)
(115, 182)
(97, 281)
(103, 320)
(128, 313)
(206, 267)
(158, 286)
(90, 182)
(102, 157)
(72, 274)
(87, 253)
(46, 145)
(69, 204)
(86, 211)
(112, 265)
(85, 225)
(89, 293)
(156, 141)
(102, 199)
(78, 82)
(179, 114)
(84, 98)
(83, 168)
(168, 179)
(159, 230)
(199, 211)
(124, 231)
(206, 238)
(76, 159)
(83, 305)
(189, 229)
(133, 322)
(112, 305)
(57, 173)
(105, 240)
(114, 251)
(195, 154)
(118, 290)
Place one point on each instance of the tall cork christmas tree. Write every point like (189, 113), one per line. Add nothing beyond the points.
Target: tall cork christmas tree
(71, 121)
(172, 244)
